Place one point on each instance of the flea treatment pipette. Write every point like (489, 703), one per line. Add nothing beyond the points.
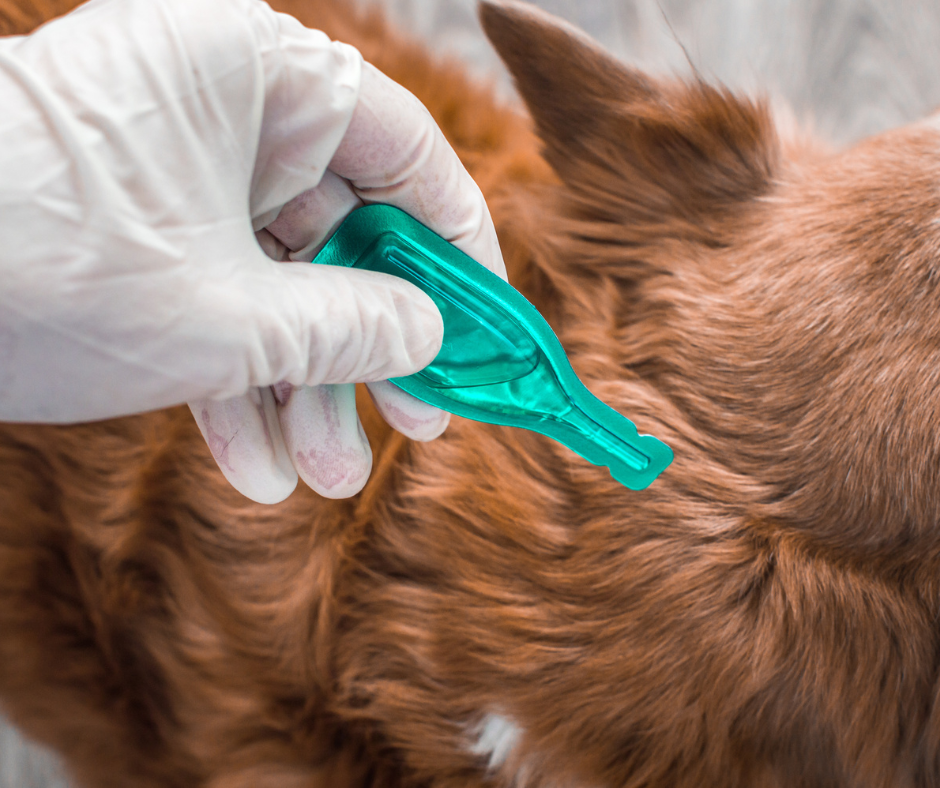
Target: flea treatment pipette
(500, 361)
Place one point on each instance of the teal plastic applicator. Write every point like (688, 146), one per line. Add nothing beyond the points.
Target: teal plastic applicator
(500, 361)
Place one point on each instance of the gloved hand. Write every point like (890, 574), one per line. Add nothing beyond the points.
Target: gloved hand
(149, 151)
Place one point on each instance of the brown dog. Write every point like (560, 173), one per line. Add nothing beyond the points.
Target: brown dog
(493, 609)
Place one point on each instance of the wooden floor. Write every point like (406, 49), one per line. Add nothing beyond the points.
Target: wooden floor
(849, 67)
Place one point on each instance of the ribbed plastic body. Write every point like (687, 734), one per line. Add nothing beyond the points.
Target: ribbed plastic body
(500, 361)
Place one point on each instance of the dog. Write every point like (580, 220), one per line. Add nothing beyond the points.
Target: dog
(492, 609)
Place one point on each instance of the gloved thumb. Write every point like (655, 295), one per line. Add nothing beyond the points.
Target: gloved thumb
(308, 324)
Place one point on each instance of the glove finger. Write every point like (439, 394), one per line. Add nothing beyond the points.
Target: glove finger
(306, 223)
(271, 246)
(325, 438)
(409, 415)
(244, 436)
(393, 152)
(311, 86)
(310, 324)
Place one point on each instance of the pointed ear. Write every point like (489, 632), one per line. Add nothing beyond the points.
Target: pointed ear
(658, 147)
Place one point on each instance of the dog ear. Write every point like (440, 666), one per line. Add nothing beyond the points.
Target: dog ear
(629, 141)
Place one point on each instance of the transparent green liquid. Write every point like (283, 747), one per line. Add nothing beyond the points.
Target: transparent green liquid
(499, 362)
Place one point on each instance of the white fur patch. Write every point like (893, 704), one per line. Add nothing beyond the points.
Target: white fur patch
(496, 737)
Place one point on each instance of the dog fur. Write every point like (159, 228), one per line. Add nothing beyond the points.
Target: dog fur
(492, 609)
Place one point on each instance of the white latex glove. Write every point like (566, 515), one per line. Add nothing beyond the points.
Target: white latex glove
(143, 144)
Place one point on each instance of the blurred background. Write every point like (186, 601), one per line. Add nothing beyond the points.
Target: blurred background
(848, 68)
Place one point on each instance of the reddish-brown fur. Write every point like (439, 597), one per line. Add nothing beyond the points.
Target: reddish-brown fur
(764, 615)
